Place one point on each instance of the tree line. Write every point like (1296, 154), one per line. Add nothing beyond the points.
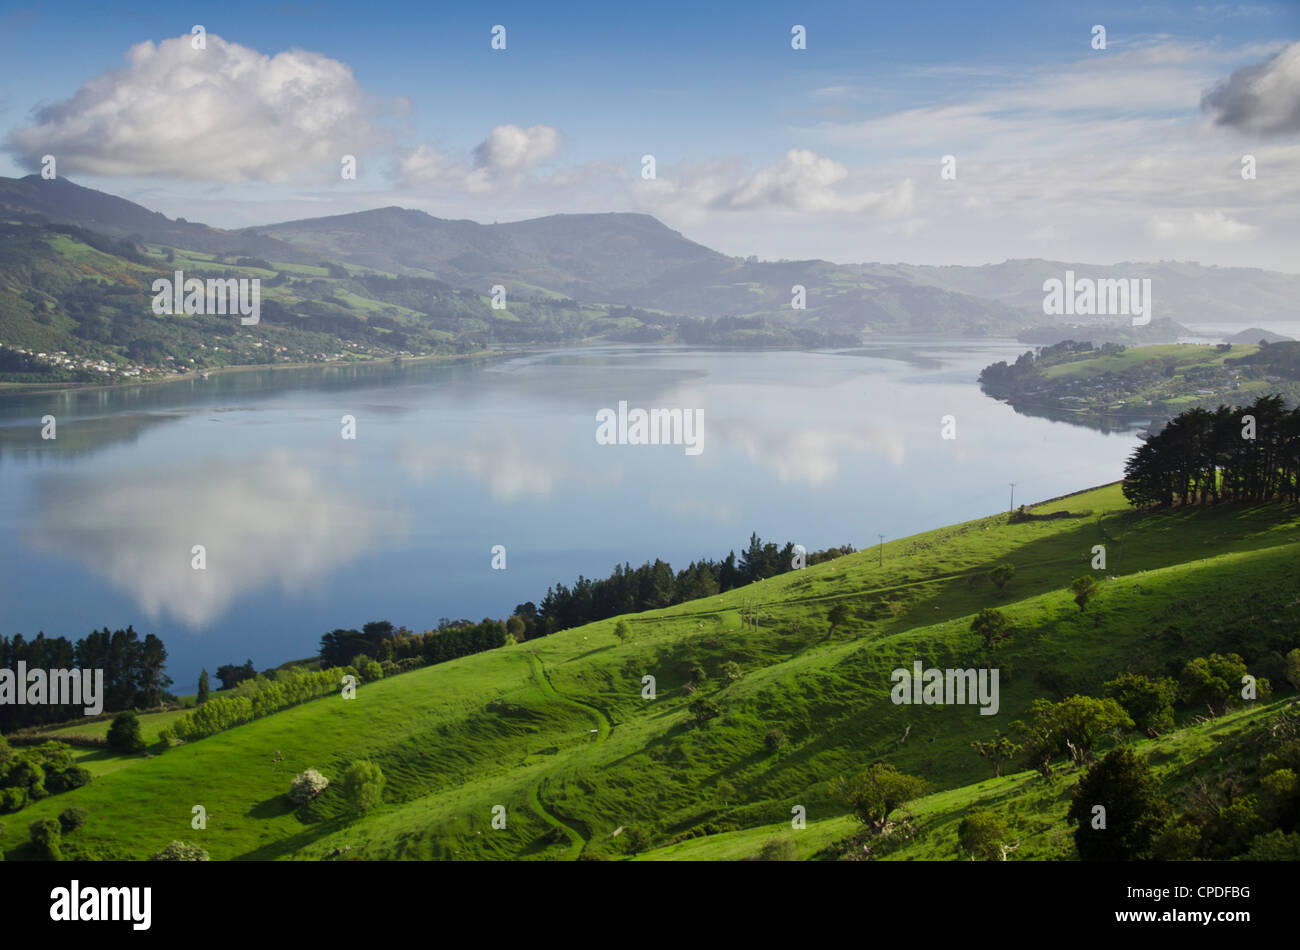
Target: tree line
(133, 671)
(1250, 453)
(654, 585)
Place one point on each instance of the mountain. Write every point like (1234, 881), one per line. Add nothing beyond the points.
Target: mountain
(63, 202)
(1181, 291)
(1255, 335)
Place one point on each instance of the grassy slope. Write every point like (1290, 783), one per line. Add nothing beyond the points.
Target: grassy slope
(556, 729)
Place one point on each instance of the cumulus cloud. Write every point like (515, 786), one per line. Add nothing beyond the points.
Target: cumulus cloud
(801, 181)
(508, 148)
(1261, 99)
(502, 161)
(224, 113)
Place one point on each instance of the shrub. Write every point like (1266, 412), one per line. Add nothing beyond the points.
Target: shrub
(363, 785)
(703, 709)
(636, 840)
(774, 740)
(12, 799)
(306, 786)
(992, 626)
(65, 780)
(731, 670)
(777, 849)
(622, 630)
(1150, 702)
(372, 671)
(181, 851)
(124, 733)
(983, 834)
(46, 835)
(70, 819)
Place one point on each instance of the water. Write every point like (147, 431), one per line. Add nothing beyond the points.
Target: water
(305, 531)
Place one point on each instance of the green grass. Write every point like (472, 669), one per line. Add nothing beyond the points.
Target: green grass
(556, 729)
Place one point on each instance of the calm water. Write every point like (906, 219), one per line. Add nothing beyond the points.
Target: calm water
(306, 531)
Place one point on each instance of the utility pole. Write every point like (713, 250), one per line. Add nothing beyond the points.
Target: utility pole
(1013, 497)
(882, 550)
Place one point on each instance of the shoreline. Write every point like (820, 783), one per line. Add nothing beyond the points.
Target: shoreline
(38, 389)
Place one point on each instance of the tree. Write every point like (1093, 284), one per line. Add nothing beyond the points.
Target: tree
(1293, 668)
(1084, 589)
(837, 615)
(363, 785)
(204, 692)
(1150, 702)
(46, 835)
(726, 792)
(731, 670)
(774, 740)
(1213, 681)
(875, 792)
(124, 733)
(622, 630)
(636, 840)
(992, 626)
(70, 819)
(515, 628)
(1001, 576)
(702, 710)
(983, 834)
(1073, 726)
(306, 786)
(997, 750)
(1124, 785)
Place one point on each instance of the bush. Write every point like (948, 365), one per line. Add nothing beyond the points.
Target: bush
(70, 819)
(363, 786)
(124, 733)
(777, 849)
(371, 671)
(12, 799)
(46, 835)
(65, 780)
(306, 786)
(774, 740)
(703, 709)
(181, 851)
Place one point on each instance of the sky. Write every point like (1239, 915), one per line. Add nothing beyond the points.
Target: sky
(1058, 148)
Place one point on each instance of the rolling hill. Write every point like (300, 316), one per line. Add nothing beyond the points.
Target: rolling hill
(557, 731)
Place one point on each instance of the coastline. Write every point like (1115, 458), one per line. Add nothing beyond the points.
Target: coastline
(38, 389)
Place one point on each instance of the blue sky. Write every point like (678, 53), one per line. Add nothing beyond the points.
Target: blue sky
(831, 151)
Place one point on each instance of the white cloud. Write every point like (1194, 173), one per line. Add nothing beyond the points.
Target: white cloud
(508, 148)
(1202, 226)
(801, 181)
(265, 523)
(502, 161)
(225, 113)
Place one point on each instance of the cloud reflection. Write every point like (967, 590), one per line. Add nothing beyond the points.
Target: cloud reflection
(262, 523)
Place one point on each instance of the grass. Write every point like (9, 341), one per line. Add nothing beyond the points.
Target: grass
(557, 731)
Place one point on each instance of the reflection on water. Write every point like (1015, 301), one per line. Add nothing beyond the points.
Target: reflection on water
(263, 524)
(306, 531)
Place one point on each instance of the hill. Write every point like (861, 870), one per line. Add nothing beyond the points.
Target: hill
(557, 731)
